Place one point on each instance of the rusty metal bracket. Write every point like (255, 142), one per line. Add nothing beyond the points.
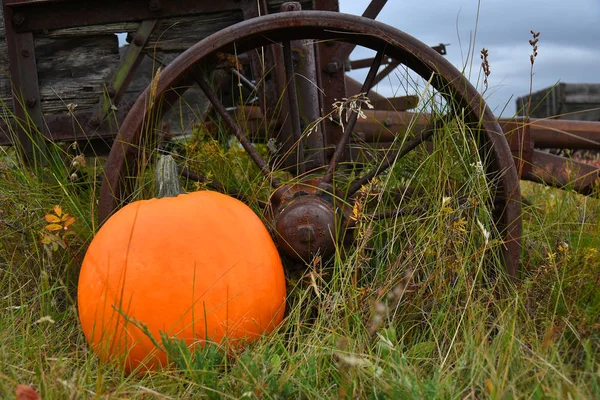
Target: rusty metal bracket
(441, 48)
(124, 73)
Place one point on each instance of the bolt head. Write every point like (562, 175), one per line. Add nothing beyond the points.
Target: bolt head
(138, 40)
(306, 233)
(154, 5)
(332, 67)
(304, 228)
(94, 121)
(18, 18)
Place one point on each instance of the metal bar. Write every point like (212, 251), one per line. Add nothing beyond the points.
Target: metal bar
(305, 69)
(366, 63)
(293, 104)
(330, 78)
(243, 80)
(239, 134)
(359, 182)
(562, 173)
(373, 9)
(26, 93)
(344, 49)
(341, 145)
(520, 143)
(50, 15)
(401, 103)
(386, 71)
(387, 126)
(559, 134)
(124, 73)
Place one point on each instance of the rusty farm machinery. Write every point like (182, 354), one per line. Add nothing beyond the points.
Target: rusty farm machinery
(275, 73)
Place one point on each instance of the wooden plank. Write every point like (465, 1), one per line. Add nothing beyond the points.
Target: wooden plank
(121, 27)
(5, 87)
(574, 101)
(581, 93)
(175, 35)
(74, 70)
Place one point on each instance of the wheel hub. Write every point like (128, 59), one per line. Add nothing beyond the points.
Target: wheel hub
(305, 217)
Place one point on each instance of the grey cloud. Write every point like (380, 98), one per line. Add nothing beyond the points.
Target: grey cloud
(569, 47)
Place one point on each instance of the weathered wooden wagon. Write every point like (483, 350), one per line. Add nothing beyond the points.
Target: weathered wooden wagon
(274, 72)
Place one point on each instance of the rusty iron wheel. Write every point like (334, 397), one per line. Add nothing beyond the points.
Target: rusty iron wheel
(301, 212)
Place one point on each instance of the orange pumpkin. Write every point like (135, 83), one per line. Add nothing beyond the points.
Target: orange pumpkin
(197, 266)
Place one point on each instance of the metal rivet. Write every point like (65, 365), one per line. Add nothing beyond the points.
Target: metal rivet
(31, 102)
(94, 121)
(154, 5)
(25, 53)
(332, 67)
(138, 40)
(18, 18)
(290, 6)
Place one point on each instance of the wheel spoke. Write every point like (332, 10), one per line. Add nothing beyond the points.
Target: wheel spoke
(386, 71)
(389, 160)
(366, 87)
(237, 131)
(293, 104)
(244, 81)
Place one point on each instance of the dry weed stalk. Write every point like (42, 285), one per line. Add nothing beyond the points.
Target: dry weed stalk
(485, 65)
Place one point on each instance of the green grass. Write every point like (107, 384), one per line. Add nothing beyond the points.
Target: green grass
(409, 311)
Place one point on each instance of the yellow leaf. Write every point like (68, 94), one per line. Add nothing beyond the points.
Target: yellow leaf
(69, 221)
(58, 210)
(53, 227)
(52, 218)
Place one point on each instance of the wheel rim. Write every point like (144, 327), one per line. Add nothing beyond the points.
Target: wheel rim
(177, 76)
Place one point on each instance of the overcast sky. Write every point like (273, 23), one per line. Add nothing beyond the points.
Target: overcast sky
(568, 49)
